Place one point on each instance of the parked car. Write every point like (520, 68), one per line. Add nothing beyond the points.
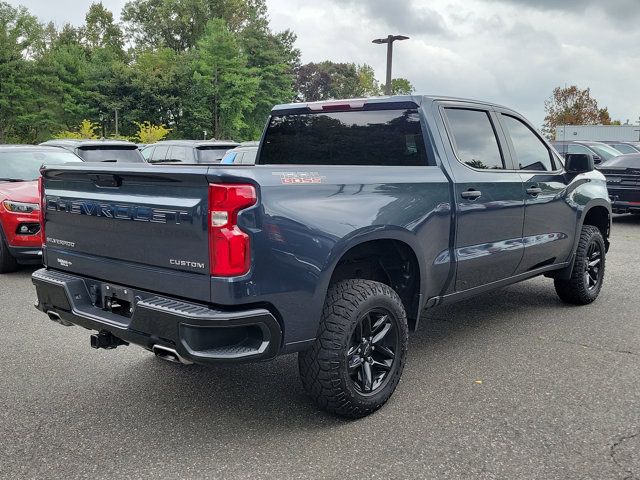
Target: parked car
(600, 151)
(624, 147)
(244, 154)
(188, 151)
(360, 214)
(623, 182)
(100, 150)
(20, 240)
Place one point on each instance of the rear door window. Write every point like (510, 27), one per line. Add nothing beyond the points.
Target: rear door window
(474, 139)
(530, 151)
(159, 154)
(370, 137)
(146, 152)
(249, 157)
(177, 154)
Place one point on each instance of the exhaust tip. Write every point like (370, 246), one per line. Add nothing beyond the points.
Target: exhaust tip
(169, 354)
(55, 317)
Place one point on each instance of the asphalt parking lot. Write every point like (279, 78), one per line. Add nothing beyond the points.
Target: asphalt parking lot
(510, 385)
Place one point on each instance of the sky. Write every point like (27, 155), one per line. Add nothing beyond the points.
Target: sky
(513, 52)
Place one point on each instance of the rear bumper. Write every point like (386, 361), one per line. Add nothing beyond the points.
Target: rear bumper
(199, 334)
(620, 206)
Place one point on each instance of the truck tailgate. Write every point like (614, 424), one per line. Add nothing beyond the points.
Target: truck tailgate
(132, 224)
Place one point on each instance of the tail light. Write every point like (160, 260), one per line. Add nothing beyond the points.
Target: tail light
(229, 247)
(42, 207)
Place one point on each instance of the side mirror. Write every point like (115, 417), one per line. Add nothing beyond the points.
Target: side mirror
(597, 159)
(579, 163)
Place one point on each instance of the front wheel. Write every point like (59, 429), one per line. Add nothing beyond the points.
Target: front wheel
(588, 269)
(357, 359)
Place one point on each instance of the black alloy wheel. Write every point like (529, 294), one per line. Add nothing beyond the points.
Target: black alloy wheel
(372, 352)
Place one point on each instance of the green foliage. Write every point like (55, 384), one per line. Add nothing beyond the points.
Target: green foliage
(188, 65)
(400, 86)
(150, 133)
(328, 80)
(86, 131)
(224, 86)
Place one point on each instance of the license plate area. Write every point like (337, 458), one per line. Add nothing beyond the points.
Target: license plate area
(117, 300)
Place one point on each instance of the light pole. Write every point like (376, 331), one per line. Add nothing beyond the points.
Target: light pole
(389, 41)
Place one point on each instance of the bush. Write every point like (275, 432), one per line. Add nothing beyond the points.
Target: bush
(87, 131)
(149, 133)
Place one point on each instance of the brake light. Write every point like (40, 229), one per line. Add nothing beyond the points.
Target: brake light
(229, 247)
(336, 106)
(42, 207)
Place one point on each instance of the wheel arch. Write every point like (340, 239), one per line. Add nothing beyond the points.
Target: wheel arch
(597, 213)
(390, 256)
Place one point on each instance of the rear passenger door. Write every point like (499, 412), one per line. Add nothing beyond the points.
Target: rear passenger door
(488, 194)
(549, 220)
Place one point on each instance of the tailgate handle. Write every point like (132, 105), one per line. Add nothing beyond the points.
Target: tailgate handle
(106, 180)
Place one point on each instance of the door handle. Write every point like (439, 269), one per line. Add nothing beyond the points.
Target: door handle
(471, 194)
(534, 191)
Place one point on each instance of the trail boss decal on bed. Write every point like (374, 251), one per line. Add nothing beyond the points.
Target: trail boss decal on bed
(297, 178)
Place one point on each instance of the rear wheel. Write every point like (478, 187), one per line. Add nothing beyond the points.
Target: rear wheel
(7, 262)
(588, 270)
(357, 359)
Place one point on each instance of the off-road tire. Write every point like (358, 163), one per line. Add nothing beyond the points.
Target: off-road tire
(575, 290)
(323, 368)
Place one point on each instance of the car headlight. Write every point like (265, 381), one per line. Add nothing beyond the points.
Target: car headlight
(20, 207)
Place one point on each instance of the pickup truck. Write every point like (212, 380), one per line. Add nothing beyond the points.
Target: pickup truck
(359, 215)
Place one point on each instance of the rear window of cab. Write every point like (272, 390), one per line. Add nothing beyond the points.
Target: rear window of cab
(372, 137)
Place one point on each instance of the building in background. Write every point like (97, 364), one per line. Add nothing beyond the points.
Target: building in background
(597, 133)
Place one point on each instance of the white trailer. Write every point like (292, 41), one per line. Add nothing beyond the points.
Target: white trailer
(599, 133)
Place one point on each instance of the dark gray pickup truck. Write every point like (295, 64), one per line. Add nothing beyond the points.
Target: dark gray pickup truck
(358, 215)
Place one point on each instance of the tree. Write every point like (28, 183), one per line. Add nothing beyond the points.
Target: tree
(224, 87)
(400, 86)
(328, 80)
(161, 80)
(274, 59)
(20, 34)
(179, 24)
(100, 31)
(572, 106)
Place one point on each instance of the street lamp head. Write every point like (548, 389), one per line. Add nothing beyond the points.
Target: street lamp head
(390, 38)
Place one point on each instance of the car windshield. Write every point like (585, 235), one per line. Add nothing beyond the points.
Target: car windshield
(624, 148)
(111, 154)
(623, 161)
(212, 154)
(24, 165)
(605, 151)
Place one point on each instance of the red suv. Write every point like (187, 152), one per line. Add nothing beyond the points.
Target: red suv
(20, 240)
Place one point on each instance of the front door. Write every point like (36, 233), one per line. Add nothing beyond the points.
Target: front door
(549, 219)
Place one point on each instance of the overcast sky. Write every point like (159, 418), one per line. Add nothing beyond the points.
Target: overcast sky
(513, 52)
